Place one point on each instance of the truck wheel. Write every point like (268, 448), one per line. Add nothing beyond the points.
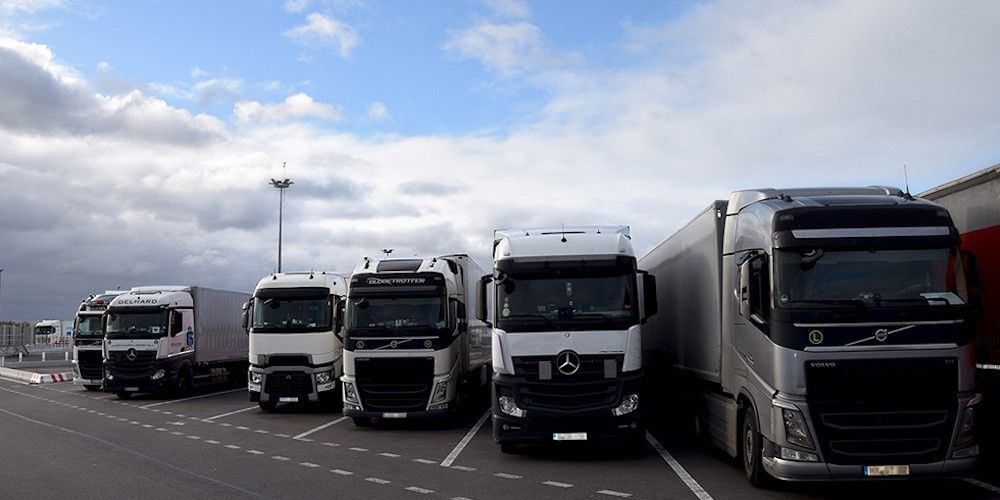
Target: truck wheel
(92, 388)
(124, 395)
(267, 405)
(184, 381)
(362, 421)
(751, 446)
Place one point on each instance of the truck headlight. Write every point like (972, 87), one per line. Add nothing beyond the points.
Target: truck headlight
(108, 375)
(508, 406)
(158, 374)
(440, 392)
(255, 377)
(629, 404)
(350, 395)
(965, 445)
(324, 377)
(796, 430)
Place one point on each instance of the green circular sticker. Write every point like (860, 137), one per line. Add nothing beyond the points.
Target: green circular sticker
(816, 337)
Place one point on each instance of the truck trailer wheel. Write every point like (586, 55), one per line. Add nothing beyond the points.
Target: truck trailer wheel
(751, 445)
(183, 381)
(92, 388)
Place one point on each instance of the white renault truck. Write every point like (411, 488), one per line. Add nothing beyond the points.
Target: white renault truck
(412, 344)
(822, 333)
(295, 326)
(88, 340)
(173, 338)
(567, 357)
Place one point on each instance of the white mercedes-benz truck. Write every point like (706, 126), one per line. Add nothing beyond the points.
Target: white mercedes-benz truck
(295, 326)
(567, 357)
(88, 340)
(821, 333)
(173, 338)
(412, 344)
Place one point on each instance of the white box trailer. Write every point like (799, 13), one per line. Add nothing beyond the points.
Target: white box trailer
(173, 338)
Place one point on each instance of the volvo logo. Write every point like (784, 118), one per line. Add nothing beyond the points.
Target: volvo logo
(881, 334)
(567, 362)
(394, 344)
(131, 354)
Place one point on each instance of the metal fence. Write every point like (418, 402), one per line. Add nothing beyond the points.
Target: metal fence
(15, 336)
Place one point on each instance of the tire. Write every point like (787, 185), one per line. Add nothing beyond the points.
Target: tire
(184, 381)
(92, 388)
(362, 421)
(751, 445)
(267, 405)
(124, 395)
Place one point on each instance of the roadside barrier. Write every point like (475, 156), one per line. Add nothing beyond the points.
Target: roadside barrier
(35, 378)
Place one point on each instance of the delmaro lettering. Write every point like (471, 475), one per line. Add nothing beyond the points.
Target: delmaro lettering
(128, 302)
(396, 281)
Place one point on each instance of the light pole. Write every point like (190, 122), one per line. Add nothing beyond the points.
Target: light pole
(281, 185)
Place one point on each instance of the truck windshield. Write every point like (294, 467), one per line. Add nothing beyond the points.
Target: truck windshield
(395, 315)
(137, 325)
(292, 314)
(88, 326)
(539, 302)
(814, 277)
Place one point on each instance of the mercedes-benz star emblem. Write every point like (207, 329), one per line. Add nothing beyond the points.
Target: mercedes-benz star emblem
(567, 362)
(131, 355)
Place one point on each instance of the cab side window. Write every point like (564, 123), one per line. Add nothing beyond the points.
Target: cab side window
(759, 289)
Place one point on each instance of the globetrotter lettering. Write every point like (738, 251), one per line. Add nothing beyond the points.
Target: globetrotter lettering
(396, 281)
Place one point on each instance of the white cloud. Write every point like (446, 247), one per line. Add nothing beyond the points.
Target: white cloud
(198, 73)
(272, 85)
(103, 66)
(325, 31)
(729, 96)
(518, 9)
(204, 92)
(379, 112)
(299, 105)
(29, 6)
(507, 48)
(296, 5)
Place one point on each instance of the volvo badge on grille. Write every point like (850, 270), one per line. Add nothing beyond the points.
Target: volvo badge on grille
(567, 362)
(131, 354)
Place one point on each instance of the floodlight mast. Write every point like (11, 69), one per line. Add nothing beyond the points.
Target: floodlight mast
(281, 185)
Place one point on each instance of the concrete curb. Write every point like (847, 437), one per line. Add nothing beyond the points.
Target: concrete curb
(35, 378)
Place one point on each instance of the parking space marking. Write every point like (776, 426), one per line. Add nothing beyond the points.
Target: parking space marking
(613, 493)
(982, 484)
(676, 466)
(309, 464)
(341, 472)
(320, 427)
(557, 484)
(230, 413)
(151, 405)
(255, 452)
(424, 461)
(507, 476)
(423, 491)
(450, 459)
(390, 455)
(377, 480)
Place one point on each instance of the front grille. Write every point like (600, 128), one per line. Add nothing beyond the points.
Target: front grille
(142, 365)
(288, 360)
(91, 364)
(394, 384)
(887, 411)
(288, 384)
(594, 386)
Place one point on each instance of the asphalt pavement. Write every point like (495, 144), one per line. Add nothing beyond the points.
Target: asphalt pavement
(59, 440)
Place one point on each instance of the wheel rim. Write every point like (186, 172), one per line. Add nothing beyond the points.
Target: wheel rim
(748, 448)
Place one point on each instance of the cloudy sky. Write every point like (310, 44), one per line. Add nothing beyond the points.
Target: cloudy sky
(136, 138)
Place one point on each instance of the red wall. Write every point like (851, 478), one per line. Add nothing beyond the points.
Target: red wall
(985, 244)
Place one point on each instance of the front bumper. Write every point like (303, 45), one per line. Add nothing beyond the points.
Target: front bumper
(542, 426)
(303, 390)
(352, 412)
(789, 470)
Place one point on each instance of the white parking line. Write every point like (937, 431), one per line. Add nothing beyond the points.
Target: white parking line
(319, 428)
(465, 440)
(982, 484)
(557, 484)
(151, 405)
(423, 491)
(230, 413)
(341, 472)
(377, 480)
(676, 466)
(613, 493)
(506, 475)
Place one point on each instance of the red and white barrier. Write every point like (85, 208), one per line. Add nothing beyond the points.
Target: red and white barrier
(35, 378)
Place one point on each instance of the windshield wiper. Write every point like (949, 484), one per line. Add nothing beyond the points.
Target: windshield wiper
(525, 316)
(917, 300)
(840, 302)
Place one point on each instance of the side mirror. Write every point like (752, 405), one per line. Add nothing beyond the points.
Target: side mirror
(744, 289)
(972, 281)
(340, 307)
(482, 307)
(650, 305)
(245, 319)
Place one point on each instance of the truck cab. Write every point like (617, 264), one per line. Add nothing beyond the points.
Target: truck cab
(412, 341)
(88, 340)
(566, 348)
(295, 324)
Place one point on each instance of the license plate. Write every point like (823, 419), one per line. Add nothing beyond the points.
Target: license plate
(887, 470)
(132, 389)
(389, 414)
(288, 400)
(569, 436)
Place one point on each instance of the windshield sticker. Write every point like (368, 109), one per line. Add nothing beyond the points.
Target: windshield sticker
(783, 298)
(154, 330)
(816, 337)
(569, 288)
